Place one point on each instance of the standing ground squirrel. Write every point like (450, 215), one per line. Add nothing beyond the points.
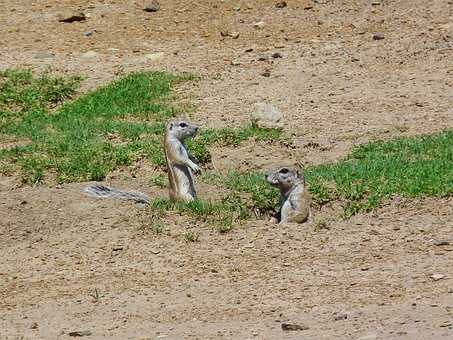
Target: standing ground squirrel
(179, 162)
(179, 167)
(295, 199)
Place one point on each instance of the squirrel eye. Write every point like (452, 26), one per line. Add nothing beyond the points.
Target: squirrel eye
(183, 125)
(284, 171)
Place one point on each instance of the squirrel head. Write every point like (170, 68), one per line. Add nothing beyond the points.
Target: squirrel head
(181, 129)
(285, 177)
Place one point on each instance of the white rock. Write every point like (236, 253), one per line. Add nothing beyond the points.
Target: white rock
(259, 24)
(90, 54)
(437, 277)
(44, 55)
(113, 50)
(155, 56)
(267, 115)
(370, 336)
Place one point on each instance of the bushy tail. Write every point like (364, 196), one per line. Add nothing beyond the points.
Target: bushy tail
(102, 191)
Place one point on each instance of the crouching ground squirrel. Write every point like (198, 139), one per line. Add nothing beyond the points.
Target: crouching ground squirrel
(295, 199)
(179, 166)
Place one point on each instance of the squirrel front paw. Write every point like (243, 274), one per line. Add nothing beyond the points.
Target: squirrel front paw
(196, 169)
(273, 220)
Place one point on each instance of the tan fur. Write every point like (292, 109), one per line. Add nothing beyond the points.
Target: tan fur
(295, 199)
(179, 163)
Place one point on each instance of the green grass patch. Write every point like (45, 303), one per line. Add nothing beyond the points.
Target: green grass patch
(247, 194)
(410, 167)
(259, 196)
(159, 180)
(230, 136)
(219, 214)
(117, 124)
(87, 138)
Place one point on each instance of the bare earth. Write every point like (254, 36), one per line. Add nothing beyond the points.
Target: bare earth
(365, 278)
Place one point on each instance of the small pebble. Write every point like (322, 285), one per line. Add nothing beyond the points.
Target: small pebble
(259, 24)
(80, 333)
(293, 327)
(152, 6)
(341, 316)
(69, 17)
(441, 243)
(43, 55)
(281, 4)
(378, 36)
(437, 277)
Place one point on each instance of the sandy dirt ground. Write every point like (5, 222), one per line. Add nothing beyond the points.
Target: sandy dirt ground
(71, 263)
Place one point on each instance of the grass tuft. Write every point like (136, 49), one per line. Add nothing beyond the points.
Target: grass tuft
(261, 198)
(221, 214)
(230, 136)
(412, 167)
(160, 180)
(191, 236)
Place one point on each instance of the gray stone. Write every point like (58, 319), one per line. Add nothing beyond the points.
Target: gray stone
(293, 327)
(340, 316)
(80, 333)
(378, 36)
(155, 56)
(437, 277)
(113, 50)
(90, 55)
(44, 55)
(370, 336)
(267, 115)
(70, 16)
(441, 243)
(259, 24)
(152, 6)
